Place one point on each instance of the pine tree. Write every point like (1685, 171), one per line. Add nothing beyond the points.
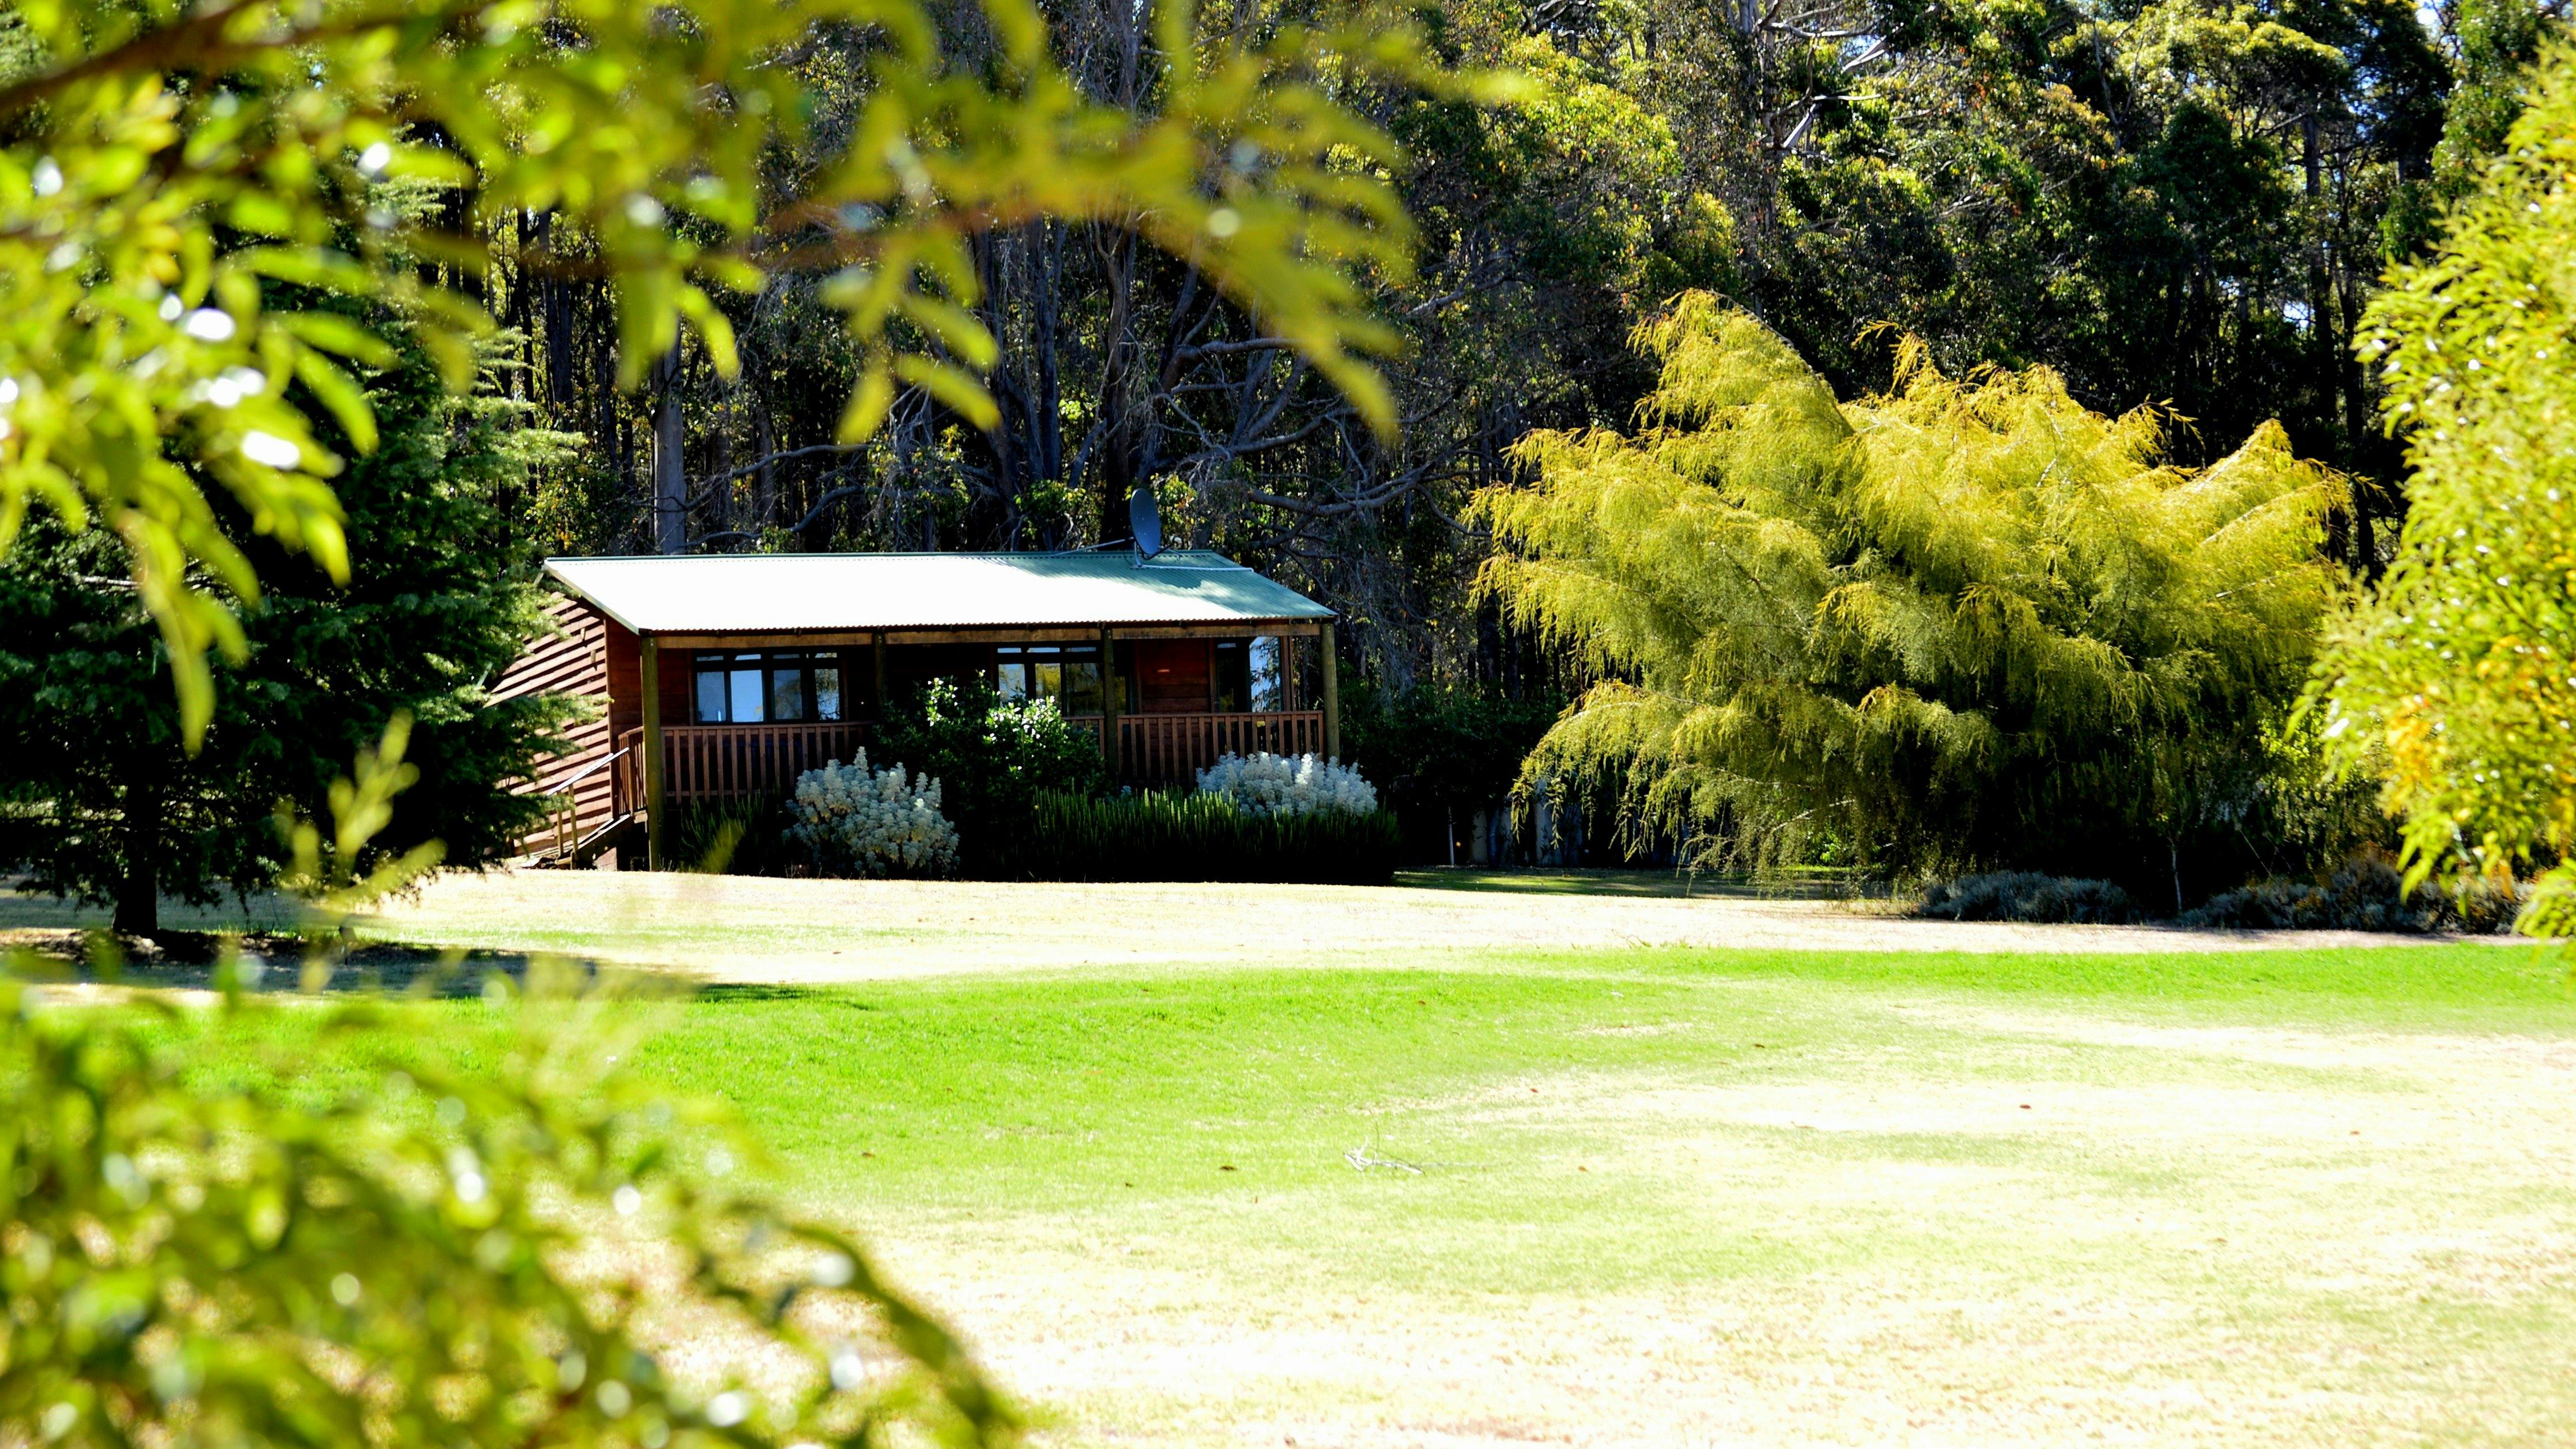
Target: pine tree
(1963, 623)
(97, 798)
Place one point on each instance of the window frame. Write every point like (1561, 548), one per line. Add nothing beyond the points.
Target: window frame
(723, 671)
(1063, 659)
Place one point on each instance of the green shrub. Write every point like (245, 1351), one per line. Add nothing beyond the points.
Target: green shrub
(1153, 836)
(2016, 895)
(2453, 680)
(2363, 895)
(1439, 753)
(1964, 623)
(992, 758)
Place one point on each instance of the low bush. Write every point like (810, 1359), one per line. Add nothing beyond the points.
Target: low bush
(729, 837)
(2366, 894)
(1153, 836)
(1266, 784)
(2029, 896)
(852, 820)
(993, 756)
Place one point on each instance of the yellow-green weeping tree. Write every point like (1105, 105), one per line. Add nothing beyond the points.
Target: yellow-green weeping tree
(1962, 624)
(2458, 678)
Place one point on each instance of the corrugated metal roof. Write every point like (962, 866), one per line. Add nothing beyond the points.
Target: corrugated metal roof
(761, 593)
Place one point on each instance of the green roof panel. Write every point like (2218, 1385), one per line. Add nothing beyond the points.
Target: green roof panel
(814, 592)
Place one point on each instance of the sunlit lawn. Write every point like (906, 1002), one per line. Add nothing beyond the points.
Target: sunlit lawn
(1702, 1197)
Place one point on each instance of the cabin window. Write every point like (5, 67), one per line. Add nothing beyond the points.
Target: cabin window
(1269, 674)
(773, 686)
(1248, 676)
(1231, 679)
(1067, 674)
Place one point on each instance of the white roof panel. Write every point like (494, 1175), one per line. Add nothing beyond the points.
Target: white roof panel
(812, 592)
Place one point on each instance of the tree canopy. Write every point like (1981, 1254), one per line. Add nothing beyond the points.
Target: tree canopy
(166, 166)
(2459, 676)
(1965, 622)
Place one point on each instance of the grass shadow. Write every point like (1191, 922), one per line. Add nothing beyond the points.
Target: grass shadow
(188, 961)
(1819, 885)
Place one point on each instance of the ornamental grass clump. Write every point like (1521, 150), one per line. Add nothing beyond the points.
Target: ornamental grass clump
(851, 820)
(1153, 836)
(1264, 784)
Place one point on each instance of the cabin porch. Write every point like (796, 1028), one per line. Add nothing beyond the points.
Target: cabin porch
(728, 762)
(727, 677)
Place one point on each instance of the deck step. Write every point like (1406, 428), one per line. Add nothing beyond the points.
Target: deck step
(583, 851)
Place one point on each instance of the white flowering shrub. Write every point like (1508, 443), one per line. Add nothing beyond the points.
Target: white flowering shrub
(850, 820)
(1268, 784)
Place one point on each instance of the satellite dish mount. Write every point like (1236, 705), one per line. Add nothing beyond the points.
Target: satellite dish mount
(1144, 521)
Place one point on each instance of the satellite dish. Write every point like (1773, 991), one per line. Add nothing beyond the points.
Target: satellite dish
(1145, 521)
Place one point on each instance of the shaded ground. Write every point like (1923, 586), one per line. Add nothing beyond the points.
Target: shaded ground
(739, 928)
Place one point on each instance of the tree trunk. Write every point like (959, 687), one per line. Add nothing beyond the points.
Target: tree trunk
(138, 894)
(1117, 458)
(558, 324)
(2370, 447)
(670, 481)
(720, 444)
(612, 428)
(765, 492)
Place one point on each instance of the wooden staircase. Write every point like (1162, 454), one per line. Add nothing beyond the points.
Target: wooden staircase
(577, 835)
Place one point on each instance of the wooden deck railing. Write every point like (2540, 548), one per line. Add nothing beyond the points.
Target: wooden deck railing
(1170, 749)
(728, 762)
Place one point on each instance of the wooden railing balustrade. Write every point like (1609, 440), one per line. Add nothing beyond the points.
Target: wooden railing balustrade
(576, 809)
(1170, 749)
(729, 762)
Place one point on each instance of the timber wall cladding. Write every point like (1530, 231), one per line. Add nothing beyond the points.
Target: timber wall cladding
(572, 659)
(625, 690)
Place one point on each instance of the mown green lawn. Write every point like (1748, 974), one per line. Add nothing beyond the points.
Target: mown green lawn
(1700, 1197)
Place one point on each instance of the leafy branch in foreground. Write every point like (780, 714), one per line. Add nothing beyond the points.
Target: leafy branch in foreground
(174, 179)
(514, 1253)
(503, 1256)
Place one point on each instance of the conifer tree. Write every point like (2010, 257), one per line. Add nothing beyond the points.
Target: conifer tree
(1964, 623)
(98, 798)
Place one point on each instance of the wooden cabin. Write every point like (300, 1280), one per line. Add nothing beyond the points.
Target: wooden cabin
(763, 666)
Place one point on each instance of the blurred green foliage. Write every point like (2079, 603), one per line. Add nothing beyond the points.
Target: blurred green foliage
(497, 1256)
(497, 1250)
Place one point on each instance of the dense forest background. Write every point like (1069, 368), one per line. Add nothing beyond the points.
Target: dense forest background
(2164, 225)
(2185, 204)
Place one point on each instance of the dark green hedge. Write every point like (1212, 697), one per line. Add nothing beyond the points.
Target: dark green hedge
(1152, 836)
